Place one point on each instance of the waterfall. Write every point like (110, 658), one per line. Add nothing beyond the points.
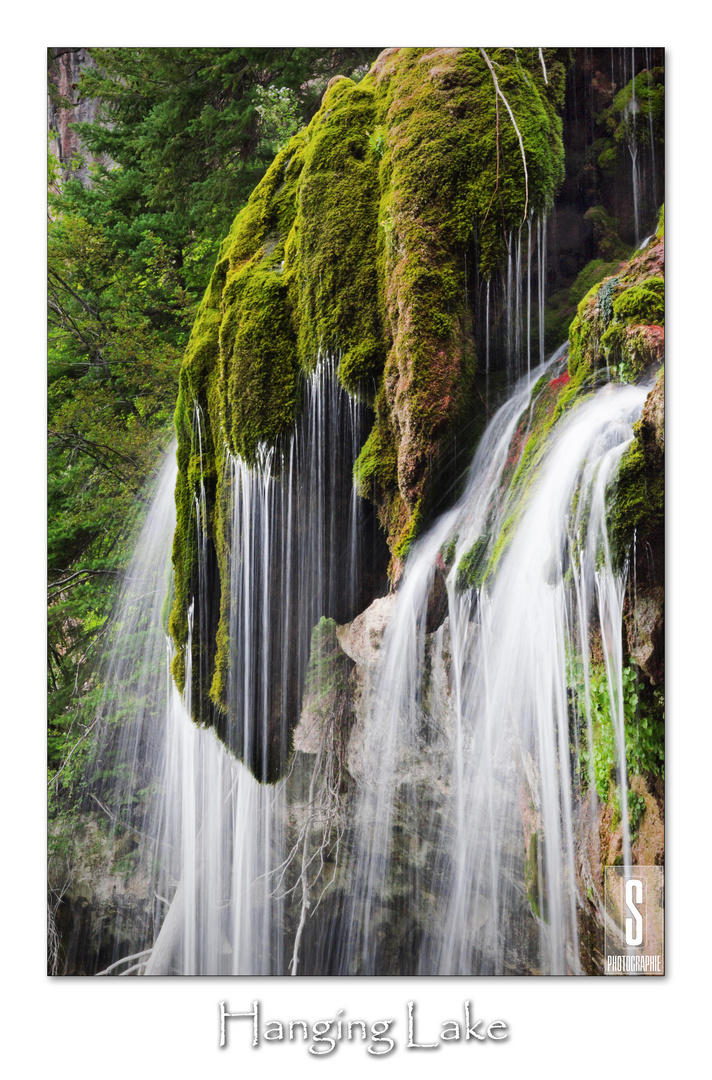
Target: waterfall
(130, 752)
(441, 827)
(301, 545)
(463, 859)
(511, 338)
(633, 149)
(215, 864)
(651, 131)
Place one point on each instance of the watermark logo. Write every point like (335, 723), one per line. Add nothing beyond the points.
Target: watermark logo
(635, 920)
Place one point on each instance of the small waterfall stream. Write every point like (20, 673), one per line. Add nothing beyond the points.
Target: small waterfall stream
(512, 306)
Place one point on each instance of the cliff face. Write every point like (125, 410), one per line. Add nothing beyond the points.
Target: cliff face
(364, 241)
(65, 107)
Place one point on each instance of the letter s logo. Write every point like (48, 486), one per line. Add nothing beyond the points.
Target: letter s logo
(634, 926)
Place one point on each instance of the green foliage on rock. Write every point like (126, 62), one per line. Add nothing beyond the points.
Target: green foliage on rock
(644, 728)
(562, 306)
(337, 238)
(644, 303)
(637, 113)
(638, 500)
(452, 161)
(472, 567)
(533, 878)
(619, 322)
(605, 231)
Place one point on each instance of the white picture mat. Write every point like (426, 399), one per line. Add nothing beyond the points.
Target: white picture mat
(569, 1027)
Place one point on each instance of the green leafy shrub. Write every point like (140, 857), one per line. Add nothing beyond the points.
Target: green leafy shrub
(644, 725)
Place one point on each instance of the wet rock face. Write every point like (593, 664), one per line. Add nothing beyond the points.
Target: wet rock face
(654, 410)
(642, 492)
(107, 902)
(646, 634)
(437, 600)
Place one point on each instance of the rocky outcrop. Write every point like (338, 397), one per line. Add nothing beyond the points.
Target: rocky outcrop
(107, 900)
(65, 108)
(361, 639)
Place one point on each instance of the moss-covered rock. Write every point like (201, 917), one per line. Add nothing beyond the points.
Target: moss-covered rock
(561, 308)
(354, 244)
(535, 880)
(619, 322)
(638, 504)
(605, 231)
(639, 107)
(452, 163)
(335, 302)
(634, 118)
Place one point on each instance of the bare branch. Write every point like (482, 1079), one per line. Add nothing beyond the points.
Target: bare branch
(126, 960)
(519, 134)
(64, 764)
(57, 587)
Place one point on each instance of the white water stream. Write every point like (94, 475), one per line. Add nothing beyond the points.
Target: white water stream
(461, 824)
(469, 733)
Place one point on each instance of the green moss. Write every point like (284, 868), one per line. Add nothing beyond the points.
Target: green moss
(328, 667)
(601, 335)
(536, 893)
(647, 90)
(443, 175)
(638, 502)
(336, 285)
(447, 551)
(644, 727)
(376, 465)
(592, 275)
(623, 117)
(605, 230)
(561, 307)
(410, 533)
(644, 303)
(582, 336)
(472, 567)
(259, 348)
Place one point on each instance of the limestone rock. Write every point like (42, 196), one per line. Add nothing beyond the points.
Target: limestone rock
(362, 638)
(646, 634)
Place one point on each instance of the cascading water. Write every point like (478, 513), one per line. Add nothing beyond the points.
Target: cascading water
(467, 730)
(301, 547)
(459, 842)
(359, 779)
(214, 865)
(455, 853)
